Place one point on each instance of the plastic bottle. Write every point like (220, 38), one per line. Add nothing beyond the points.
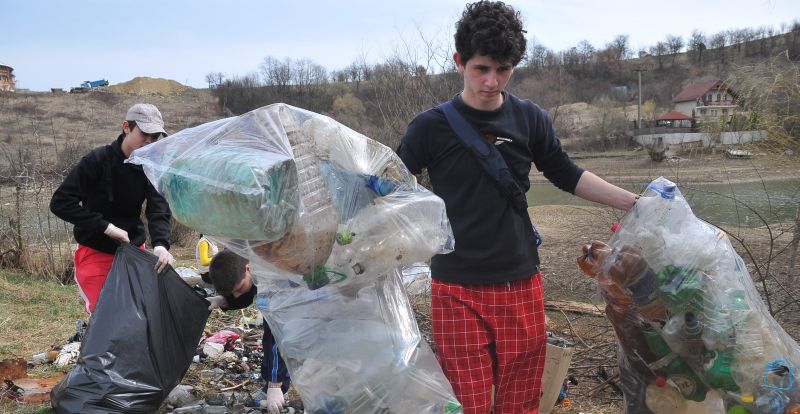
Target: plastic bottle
(692, 336)
(771, 403)
(683, 333)
(665, 211)
(629, 272)
(749, 354)
(662, 398)
(43, 357)
(681, 290)
(672, 366)
(392, 234)
(590, 262)
(717, 366)
(718, 333)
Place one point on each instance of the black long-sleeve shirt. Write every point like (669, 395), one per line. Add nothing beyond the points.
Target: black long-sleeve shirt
(102, 189)
(493, 243)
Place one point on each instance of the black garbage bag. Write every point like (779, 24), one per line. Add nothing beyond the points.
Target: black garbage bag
(140, 341)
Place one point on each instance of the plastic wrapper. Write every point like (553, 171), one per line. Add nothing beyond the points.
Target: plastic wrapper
(694, 334)
(140, 341)
(327, 218)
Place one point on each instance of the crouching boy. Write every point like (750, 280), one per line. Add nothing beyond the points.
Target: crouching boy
(230, 274)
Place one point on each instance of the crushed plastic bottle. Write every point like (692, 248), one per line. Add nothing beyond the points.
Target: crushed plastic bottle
(664, 399)
(749, 353)
(673, 367)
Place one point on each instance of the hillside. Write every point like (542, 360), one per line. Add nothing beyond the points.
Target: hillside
(58, 127)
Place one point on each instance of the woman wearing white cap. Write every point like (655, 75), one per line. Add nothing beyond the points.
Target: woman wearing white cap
(102, 197)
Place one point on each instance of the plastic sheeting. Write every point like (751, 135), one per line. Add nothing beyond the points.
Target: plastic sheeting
(326, 233)
(693, 331)
(140, 341)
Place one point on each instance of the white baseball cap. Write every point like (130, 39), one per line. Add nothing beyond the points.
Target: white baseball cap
(147, 117)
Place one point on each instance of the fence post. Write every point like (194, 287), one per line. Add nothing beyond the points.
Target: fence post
(794, 243)
(17, 226)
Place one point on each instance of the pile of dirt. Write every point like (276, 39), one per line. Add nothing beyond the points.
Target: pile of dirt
(143, 85)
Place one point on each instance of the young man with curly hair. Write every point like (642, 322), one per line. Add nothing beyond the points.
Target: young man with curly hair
(487, 298)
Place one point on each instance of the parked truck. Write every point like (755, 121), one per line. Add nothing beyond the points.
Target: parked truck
(88, 85)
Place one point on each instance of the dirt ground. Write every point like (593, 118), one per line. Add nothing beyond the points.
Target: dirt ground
(567, 228)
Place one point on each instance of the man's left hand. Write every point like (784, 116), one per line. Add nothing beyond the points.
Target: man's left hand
(164, 257)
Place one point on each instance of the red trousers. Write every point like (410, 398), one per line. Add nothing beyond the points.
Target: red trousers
(492, 335)
(91, 270)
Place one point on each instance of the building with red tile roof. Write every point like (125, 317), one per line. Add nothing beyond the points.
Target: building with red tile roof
(674, 119)
(706, 101)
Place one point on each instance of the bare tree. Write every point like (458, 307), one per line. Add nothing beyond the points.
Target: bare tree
(674, 45)
(276, 73)
(214, 79)
(620, 50)
(697, 45)
(658, 51)
(537, 54)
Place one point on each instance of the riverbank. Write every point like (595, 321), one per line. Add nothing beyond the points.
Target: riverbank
(691, 167)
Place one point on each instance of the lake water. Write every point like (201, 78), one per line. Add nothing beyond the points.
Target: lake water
(775, 201)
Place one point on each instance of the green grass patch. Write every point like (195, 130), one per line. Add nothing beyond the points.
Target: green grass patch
(40, 314)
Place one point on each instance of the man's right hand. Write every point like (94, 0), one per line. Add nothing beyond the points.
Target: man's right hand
(117, 233)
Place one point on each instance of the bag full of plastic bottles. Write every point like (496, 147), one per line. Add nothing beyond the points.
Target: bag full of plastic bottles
(300, 192)
(356, 348)
(694, 334)
(327, 219)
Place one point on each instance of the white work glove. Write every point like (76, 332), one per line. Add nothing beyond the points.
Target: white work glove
(215, 302)
(164, 257)
(275, 400)
(117, 233)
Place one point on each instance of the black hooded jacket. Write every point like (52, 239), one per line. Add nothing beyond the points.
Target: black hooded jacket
(102, 189)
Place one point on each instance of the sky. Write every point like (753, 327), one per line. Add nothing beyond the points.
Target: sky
(59, 43)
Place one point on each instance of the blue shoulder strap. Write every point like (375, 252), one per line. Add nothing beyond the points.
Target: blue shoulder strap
(488, 157)
(491, 161)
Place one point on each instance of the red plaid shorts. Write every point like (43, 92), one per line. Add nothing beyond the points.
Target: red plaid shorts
(492, 335)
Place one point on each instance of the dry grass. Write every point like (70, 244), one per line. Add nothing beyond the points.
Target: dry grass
(38, 315)
(52, 123)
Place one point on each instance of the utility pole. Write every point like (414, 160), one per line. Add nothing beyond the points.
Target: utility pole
(639, 71)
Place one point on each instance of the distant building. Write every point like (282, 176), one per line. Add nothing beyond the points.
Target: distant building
(7, 78)
(707, 101)
(674, 119)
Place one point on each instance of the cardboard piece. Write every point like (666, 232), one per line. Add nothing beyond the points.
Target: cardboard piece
(37, 390)
(559, 356)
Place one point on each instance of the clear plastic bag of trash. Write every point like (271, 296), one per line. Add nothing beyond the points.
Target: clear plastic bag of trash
(298, 193)
(694, 333)
(326, 217)
(356, 348)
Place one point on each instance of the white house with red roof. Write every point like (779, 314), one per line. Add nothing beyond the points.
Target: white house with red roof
(697, 103)
(706, 101)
